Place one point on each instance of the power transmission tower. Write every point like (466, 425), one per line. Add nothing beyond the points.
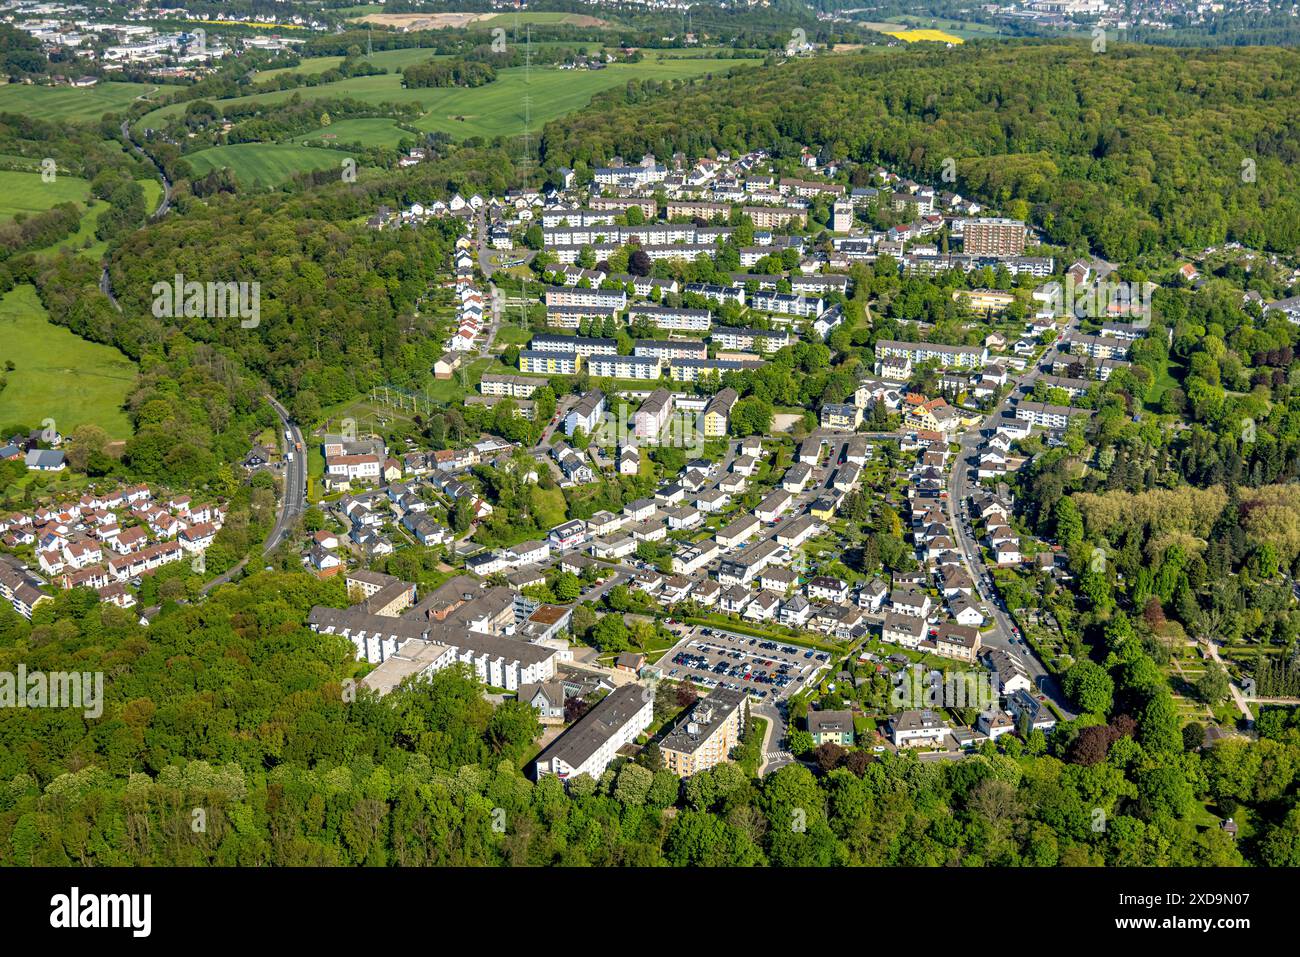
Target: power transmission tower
(526, 161)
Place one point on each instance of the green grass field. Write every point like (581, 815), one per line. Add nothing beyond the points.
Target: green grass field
(492, 110)
(264, 164)
(68, 103)
(391, 60)
(83, 240)
(367, 132)
(58, 375)
(28, 193)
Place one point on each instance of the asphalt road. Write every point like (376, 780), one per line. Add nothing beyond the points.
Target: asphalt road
(960, 482)
(165, 203)
(294, 499)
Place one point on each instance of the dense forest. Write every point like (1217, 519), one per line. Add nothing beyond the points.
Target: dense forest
(232, 735)
(1133, 151)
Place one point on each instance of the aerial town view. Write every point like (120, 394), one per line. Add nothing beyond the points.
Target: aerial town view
(643, 434)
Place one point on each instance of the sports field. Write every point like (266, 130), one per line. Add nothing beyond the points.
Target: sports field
(57, 374)
(29, 193)
(78, 104)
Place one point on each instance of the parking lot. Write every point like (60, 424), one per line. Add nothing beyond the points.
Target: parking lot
(769, 670)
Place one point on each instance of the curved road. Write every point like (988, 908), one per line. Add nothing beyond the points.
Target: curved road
(165, 203)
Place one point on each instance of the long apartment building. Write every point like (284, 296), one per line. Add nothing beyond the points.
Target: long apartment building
(654, 234)
(669, 349)
(625, 367)
(962, 357)
(572, 317)
(691, 370)
(1097, 368)
(1097, 347)
(715, 293)
(592, 743)
(621, 204)
(679, 209)
(1047, 415)
(788, 304)
(671, 319)
(583, 346)
(560, 216)
(539, 362)
(612, 299)
(504, 384)
(775, 217)
(750, 340)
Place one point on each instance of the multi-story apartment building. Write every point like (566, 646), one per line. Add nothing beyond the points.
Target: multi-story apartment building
(1047, 415)
(562, 215)
(678, 209)
(788, 305)
(571, 317)
(612, 299)
(716, 293)
(690, 370)
(962, 357)
(504, 384)
(625, 367)
(750, 340)
(1097, 347)
(706, 736)
(993, 236)
(586, 414)
(669, 349)
(717, 414)
(621, 205)
(549, 363)
(585, 347)
(650, 419)
(775, 217)
(673, 320)
(594, 739)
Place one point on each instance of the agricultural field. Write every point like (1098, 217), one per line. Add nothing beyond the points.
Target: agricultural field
(496, 108)
(264, 164)
(81, 104)
(960, 29)
(914, 36)
(391, 60)
(28, 193)
(57, 374)
(368, 132)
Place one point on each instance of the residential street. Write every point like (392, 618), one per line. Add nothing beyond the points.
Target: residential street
(960, 483)
(294, 499)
